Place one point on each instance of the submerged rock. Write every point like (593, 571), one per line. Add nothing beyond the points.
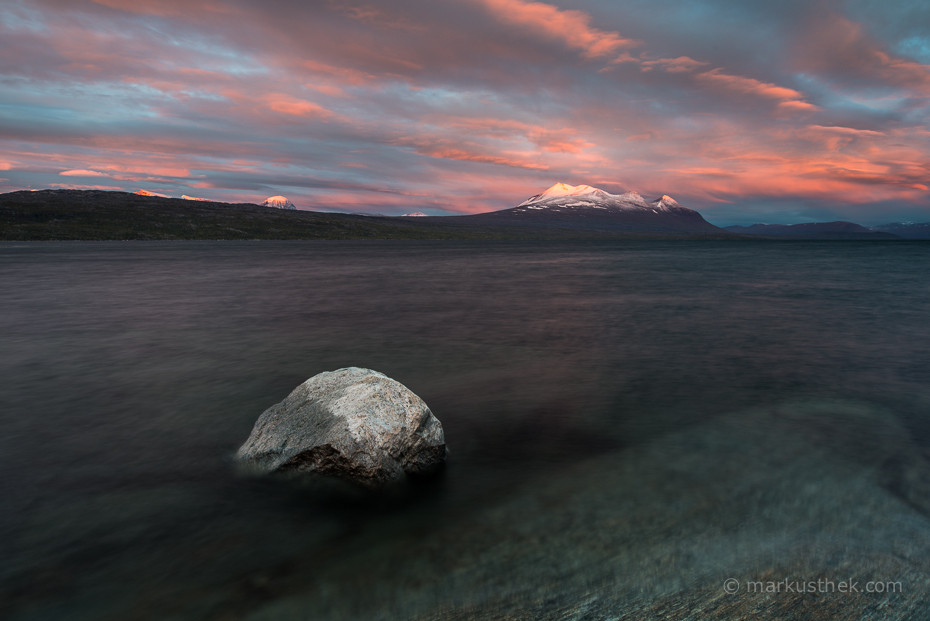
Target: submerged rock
(354, 424)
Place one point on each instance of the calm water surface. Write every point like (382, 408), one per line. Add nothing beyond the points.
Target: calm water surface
(132, 371)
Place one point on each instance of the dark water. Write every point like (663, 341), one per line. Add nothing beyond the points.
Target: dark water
(132, 371)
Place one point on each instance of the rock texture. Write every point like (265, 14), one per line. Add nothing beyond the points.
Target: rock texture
(354, 424)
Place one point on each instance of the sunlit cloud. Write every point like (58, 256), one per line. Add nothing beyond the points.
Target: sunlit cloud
(444, 149)
(82, 173)
(798, 106)
(164, 8)
(682, 64)
(76, 186)
(570, 27)
(464, 106)
(295, 107)
(749, 86)
(841, 51)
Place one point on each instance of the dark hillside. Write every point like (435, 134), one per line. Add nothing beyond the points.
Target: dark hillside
(104, 215)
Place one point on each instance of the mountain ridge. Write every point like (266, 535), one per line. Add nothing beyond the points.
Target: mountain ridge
(907, 230)
(584, 207)
(569, 212)
(839, 229)
(562, 194)
(101, 215)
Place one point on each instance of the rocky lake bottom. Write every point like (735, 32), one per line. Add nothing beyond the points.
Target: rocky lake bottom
(637, 430)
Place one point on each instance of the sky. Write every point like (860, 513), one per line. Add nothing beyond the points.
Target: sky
(746, 110)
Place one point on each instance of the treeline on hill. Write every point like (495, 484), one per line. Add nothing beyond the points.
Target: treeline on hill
(106, 215)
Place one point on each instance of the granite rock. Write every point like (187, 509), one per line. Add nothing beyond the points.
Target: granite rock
(354, 424)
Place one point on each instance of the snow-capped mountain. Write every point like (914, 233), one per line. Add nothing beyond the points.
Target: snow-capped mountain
(417, 214)
(562, 195)
(278, 202)
(586, 207)
(147, 193)
(194, 198)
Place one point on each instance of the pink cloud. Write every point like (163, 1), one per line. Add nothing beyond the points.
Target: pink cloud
(682, 64)
(452, 153)
(82, 173)
(841, 51)
(380, 18)
(445, 149)
(749, 86)
(73, 186)
(391, 100)
(835, 137)
(781, 169)
(570, 27)
(293, 106)
(351, 76)
(163, 8)
(564, 145)
(138, 168)
(548, 139)
(844, 131)
(789, 100)
(332, 91)
(798, 106)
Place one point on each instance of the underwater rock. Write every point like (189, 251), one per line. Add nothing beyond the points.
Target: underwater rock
(355, 424)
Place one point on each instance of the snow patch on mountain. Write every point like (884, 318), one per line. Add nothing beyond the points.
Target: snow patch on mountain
(666, 201)
(563, 189)
(193, 198)
(147, 193)
(584, 196)
(417, 214)
(278, 202)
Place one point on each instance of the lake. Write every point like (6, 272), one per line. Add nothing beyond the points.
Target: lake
(630, 425)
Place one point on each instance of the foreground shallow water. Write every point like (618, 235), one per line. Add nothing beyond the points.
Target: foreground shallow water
(631, 424)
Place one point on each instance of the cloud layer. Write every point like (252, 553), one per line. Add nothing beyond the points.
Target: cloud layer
(748, 111)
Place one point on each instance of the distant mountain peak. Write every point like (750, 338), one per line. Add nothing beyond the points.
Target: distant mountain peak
(631, 197)
(417, 214)
(147, 193)
(278, 202)
(584, 207)
(565, 195)
(563, 189)
(827, 230)
(908, 230)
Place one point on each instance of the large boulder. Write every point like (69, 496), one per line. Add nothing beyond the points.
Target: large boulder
(354, 424)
